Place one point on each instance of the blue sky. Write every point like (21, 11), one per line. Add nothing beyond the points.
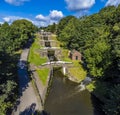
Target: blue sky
(44, 12)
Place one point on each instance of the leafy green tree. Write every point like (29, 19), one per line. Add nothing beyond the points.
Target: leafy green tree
(62, 24)
(112, 106)
(97, 37)
(12, 37)
(97, 58)
(5, 41)
(69, 34)
(51, 28)
(21, 32)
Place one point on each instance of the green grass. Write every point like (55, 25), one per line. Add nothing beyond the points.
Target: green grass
(77, 71)
(65, 53)
(18, 52)
(43, 74)
(91, 86)
(34, 56)
(54, 37)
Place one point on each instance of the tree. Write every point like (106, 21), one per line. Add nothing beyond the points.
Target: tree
(21, 32)
(51, 28)
(68, 34)
(62, 24)
(97, 37)
(112, 106)
(12, 37)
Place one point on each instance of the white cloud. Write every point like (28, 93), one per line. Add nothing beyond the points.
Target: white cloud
(112, 2)
(40, 20)
(10, 19)
(77, 5)
(40, 17)
(40, 23)
(16, 2)
(7, 19)
(53, 17)
(1, 22)
(56, 15)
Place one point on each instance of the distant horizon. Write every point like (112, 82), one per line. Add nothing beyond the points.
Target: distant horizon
(43, 13)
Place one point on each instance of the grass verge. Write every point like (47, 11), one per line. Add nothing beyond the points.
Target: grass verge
(43, 74)
(77, 70)
(54, 37)
(65, 53)
(34, 56)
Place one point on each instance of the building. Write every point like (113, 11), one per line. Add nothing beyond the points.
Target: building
(75, 55)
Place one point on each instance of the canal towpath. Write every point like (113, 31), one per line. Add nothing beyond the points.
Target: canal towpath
(28, 101)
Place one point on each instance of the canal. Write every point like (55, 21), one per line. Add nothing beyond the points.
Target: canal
(66, 98)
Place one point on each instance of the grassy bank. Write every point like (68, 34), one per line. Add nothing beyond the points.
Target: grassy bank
(77, 70)
(34, 56)
(36, 60)
(43, 75)
(54, 37)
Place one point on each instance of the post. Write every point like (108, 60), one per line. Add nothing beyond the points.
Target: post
(64, 70)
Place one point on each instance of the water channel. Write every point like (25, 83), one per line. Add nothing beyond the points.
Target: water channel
(66, 98)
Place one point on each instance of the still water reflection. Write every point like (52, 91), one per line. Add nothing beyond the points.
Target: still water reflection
(66, 98)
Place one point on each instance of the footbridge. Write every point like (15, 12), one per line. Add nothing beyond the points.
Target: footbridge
(63, 64)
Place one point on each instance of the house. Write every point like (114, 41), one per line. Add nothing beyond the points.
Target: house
(75, 55)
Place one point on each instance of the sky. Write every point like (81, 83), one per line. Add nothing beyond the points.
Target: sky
(45, 12)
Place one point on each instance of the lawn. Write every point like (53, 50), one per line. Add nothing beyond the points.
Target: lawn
(54, 37)
(77, 71)
(43, 74)
(65, 53)
(34, 56)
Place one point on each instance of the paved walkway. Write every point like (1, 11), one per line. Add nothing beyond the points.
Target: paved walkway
(29, 100)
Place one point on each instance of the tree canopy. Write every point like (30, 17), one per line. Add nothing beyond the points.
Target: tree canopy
(12, 38)
(97, 37)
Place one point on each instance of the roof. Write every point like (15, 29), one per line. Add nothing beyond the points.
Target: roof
(74, 51)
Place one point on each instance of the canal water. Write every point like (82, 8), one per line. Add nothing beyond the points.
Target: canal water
(66, 98)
